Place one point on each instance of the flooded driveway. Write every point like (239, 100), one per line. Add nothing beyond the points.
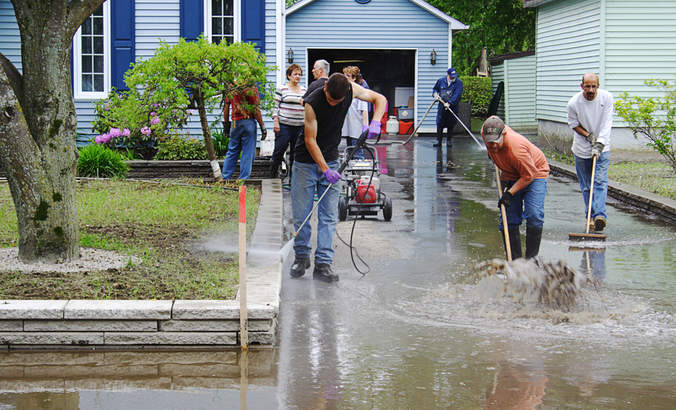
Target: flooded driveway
(421, 329)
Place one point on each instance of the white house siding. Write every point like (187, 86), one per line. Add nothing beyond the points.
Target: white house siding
(497, 75)
(519, 90)
(10, 38)
(640, 44)
(382, 24)
(568, 41)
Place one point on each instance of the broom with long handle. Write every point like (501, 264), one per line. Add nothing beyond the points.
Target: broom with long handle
(505, 230)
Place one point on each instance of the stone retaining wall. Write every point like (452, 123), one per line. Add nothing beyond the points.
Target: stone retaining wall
(663, 208)
(191, 169)
(30, 324)
(131, 322)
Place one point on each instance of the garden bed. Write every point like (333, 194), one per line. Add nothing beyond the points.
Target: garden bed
(157, 226)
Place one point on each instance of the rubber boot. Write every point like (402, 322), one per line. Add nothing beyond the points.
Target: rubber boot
(274, 169)
(533, 237)
(514, 241)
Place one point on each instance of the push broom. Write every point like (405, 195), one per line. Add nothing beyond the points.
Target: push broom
(587, 235)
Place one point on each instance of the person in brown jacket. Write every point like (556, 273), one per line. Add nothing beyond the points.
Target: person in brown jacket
(523, 174)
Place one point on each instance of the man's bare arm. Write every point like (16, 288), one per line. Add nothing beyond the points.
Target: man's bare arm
(379, 101)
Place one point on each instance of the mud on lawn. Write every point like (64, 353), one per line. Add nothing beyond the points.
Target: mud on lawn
(170, 267)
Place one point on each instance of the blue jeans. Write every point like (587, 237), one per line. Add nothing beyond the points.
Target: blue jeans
(583, 167)
(528, 203)
(445, 120)
(307, 179)
(351, 142)
(242, 139)
(288, 134)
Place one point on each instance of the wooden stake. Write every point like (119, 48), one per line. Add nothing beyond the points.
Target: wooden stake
(243, 324)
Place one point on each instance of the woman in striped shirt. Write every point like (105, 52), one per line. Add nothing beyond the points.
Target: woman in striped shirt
(288, 116)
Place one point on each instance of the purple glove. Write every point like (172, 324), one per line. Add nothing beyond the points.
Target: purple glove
(364, 128)
(374, 129)
(332, 176)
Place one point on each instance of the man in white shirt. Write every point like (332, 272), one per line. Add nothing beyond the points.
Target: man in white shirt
(590, 115)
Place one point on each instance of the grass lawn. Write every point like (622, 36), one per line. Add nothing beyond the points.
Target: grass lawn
(156, 222)
(649, 175)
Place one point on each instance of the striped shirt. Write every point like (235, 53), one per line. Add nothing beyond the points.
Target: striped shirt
(287, 106)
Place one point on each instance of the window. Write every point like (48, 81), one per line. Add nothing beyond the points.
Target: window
(91, 55)
(222, 21)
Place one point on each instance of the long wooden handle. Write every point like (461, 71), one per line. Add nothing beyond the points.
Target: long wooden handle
(591, 194)
(505, 227)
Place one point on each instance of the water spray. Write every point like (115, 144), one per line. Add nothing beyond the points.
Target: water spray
(448, 108)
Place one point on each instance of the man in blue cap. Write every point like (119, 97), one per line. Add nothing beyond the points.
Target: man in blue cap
(448, 89)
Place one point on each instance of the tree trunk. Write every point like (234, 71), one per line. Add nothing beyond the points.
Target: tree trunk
(215, 168)
(38, 127)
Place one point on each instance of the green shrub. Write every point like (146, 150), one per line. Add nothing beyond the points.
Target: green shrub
(653, 117)
(221, 142)
(177, 148)
(100, 161)
(478, 91)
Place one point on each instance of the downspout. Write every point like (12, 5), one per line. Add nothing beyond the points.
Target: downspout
(602, 44)
(280, 34)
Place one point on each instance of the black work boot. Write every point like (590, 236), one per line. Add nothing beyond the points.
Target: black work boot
(533, 237)
(274, 169)
(324, 272)
(514, 241)
(299, 266)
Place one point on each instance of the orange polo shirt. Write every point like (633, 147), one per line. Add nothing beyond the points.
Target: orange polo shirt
(519, 160)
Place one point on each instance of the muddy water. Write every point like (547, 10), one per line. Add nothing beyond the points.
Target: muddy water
(422, 329)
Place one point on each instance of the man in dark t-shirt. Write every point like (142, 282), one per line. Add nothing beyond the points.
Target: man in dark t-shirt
(314, 169)
(320, 71)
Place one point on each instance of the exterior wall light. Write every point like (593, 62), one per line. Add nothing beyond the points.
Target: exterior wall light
(433, 57)
(290, 55)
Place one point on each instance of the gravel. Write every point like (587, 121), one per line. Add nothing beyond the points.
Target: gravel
(91, 260)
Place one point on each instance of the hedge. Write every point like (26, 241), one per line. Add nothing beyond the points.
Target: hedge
(478, 91)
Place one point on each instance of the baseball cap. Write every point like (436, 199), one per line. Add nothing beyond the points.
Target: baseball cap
(493, 129)
(451, 72)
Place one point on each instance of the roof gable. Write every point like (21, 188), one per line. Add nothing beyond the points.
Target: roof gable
(455, 24)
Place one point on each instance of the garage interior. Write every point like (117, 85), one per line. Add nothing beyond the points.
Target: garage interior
(389, 72)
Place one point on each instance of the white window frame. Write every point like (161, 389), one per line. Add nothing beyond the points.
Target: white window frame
(237, 26)
(77, 61)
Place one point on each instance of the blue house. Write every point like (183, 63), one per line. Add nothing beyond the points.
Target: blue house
(121, 32)
(401, 46)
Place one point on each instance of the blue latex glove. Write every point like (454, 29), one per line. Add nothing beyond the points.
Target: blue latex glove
(364, 128)
(332, 176)
(374, 129)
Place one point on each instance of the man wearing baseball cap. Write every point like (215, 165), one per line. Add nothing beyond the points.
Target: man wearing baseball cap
(448, 89)
(523, 175)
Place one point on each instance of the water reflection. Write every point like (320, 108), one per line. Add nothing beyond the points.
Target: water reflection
(124, 379)
(516, 387)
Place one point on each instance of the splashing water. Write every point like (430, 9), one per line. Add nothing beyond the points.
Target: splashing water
(527, 281)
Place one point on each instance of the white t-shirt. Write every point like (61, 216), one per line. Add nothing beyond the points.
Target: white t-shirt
(354, 119)
(595, 116)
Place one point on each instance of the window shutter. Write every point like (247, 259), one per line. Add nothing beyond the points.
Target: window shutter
(122, 17)
(192, 19)
(253, 23)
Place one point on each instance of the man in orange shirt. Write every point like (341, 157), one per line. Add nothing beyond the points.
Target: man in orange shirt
(523, 174)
